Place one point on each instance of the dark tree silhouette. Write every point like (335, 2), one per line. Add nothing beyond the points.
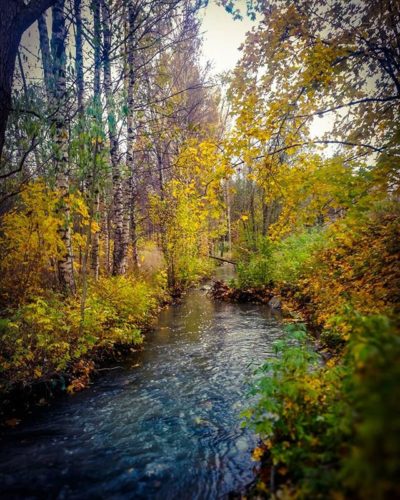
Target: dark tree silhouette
(16, 16)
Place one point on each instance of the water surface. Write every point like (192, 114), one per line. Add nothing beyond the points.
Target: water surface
(168, 428)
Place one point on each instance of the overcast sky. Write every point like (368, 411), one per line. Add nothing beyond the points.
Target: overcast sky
(223, 35)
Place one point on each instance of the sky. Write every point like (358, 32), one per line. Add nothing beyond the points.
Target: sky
(222, 36)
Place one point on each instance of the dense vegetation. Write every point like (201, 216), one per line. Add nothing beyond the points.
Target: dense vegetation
(320, 228)
(111, 183)
(121, 173)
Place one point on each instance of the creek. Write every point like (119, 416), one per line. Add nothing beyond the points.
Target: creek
(166, 426)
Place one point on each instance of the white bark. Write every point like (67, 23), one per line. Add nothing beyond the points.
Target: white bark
(65, 263)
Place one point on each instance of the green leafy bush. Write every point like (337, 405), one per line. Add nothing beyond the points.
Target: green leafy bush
(280, 262)
(333, 429)
(49, 334)
(191, 269)
(292, 255)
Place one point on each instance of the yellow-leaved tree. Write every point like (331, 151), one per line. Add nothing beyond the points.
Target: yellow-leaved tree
(30, 242)
(189, 210)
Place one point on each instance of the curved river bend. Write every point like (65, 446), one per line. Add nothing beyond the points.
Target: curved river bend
(168, 427)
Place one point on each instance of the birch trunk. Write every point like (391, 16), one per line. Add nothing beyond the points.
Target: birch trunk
(130, 157)
(79, 56)
(119, 257)
(46, 55)
(95, 254)
(65, 262)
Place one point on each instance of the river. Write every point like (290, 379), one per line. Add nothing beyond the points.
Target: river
(167, 426)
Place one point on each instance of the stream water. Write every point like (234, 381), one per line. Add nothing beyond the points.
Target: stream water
(165, 427)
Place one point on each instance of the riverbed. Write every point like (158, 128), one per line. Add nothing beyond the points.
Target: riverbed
(165, 426)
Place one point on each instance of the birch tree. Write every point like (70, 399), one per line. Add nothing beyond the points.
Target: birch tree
(120, 246)
(60, 137)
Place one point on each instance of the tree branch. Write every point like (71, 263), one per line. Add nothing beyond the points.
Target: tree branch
(22, 161)
(351, 103)
(30, 13)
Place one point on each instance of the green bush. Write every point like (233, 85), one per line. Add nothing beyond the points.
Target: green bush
(292, 255)
(48, 335)
(257, 269)
(372, 466)
(333, 428)
(281, 262)
(257, 272)
(191, 269)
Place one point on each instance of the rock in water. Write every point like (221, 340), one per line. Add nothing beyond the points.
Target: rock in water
(275, 303)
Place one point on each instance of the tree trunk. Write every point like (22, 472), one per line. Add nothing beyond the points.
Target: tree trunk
(266, 215)
(130, 140)
(46, 55)
(228, 214)
(107, 239)
(9, 41)
(79, 56)
(65, 263)
(127, 190)
(95, 254)
(97, 49)
(252, 220)
(133, 226)
(95, 261)
(15, 18)
(119, 259)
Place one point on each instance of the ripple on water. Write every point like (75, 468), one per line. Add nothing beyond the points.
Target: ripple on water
(167, 429)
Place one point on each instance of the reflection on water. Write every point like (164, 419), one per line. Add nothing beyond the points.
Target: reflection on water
(168, 428)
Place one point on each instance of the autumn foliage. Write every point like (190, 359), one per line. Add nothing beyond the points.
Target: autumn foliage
(316, 143)
(45, 334)
(114, 197)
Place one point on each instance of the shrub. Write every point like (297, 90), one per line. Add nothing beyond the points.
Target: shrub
(48, 335)
(335, 428)
(29, 245)
(293, 255)
(191, 269)
(359, 267)
(281, 262)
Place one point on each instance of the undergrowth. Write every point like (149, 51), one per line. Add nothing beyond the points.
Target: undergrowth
(331, 430)
(48, 335)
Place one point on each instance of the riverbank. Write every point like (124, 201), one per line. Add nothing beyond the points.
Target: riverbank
(282, 299)
(320, 424)
(49, 351)
(50, 348)
(323, 425)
